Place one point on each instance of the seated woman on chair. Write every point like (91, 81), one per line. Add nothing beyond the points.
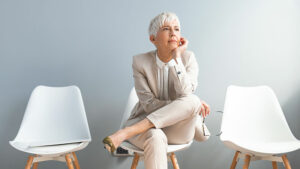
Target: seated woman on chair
(165, 80)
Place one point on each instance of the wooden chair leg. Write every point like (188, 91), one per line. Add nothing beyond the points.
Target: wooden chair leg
(135, 161)
(274, 164)
(35, 165)
(76, 161)
(69, 161)
(174, 161)
(247, 161)
(234, 161)
(29, 162)
(286, 162)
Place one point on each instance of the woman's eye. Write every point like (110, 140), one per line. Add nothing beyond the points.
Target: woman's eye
(165, 29)
(177, 29)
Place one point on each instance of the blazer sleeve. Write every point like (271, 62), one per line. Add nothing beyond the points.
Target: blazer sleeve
(185, 76)
(146, 98)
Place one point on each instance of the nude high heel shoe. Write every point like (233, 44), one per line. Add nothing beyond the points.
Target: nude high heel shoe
(108, 145)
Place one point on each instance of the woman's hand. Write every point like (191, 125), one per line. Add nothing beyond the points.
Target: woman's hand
(182, 46)
(205, 109)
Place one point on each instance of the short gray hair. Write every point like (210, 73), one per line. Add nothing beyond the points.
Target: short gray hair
(159, 21)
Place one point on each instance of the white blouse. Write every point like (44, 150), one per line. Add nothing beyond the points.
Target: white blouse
(163, 75)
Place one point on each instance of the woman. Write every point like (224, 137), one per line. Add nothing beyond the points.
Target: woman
(167, 111)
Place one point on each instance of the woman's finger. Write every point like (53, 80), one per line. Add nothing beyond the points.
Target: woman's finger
(202, 110)
(184, 44)
(207, 108)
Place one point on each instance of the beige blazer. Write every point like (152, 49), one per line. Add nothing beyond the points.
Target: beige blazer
(182, 81)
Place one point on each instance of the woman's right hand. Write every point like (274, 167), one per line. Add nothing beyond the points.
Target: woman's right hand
(205, 109)
(182, 46)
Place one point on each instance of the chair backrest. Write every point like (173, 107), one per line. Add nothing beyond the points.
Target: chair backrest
(54, 115)
(132, 100)
(253, 114)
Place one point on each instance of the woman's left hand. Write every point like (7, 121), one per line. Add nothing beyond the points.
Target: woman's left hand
(205, 109)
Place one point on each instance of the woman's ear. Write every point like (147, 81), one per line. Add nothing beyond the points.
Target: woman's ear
(152, 38)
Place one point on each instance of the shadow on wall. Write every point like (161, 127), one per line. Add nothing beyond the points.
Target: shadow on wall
(291, 111)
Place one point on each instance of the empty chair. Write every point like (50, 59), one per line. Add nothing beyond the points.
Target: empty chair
(54, 126)
(132, 100)
(254, 125)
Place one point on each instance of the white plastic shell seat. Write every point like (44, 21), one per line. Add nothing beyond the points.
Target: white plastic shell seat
(132, 100)
(54, 126)
(254, 125)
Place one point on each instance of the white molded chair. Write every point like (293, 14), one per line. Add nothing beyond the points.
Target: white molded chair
(254, 125)
(54, 126)
(132, 100)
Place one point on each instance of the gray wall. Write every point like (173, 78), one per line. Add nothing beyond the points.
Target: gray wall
(90, 43)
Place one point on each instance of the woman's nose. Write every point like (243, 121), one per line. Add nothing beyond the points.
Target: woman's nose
(172, 32)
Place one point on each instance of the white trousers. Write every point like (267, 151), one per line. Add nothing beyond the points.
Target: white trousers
(174, 123)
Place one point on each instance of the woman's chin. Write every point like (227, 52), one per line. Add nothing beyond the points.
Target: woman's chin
(173, 46)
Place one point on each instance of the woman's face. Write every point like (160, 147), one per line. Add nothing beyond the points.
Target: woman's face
(167, 37)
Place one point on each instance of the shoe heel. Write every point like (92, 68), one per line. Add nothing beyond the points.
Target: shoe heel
(108, 145)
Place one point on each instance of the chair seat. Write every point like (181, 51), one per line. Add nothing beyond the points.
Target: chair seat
(51, 149)
(171, 148)
(264, 148)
